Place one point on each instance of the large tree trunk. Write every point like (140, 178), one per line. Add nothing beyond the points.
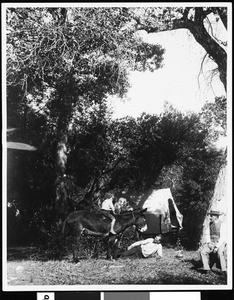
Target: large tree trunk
(61, 197)
(219, 201)
(61, 204)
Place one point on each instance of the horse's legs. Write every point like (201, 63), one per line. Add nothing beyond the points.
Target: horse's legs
(111, 242)
(75, 248)
(95, 248)
(119, 240)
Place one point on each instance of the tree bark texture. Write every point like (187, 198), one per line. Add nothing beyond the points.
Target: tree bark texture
(219, 200)
(213, 49)
(61, 197)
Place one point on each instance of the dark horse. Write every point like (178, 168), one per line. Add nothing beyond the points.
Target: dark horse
(86, 223)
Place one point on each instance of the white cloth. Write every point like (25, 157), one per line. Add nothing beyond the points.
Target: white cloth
(108, 204)
(148, 247)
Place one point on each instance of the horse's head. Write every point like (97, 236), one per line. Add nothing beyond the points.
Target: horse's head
(140, 221)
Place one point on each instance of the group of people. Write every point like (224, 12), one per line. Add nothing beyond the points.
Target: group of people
(215, 239)
(143, 248)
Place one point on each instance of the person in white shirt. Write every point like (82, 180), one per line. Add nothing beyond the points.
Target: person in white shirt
(215, 242)
(108, 209)
(145, 248)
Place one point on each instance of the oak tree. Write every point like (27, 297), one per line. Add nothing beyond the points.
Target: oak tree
(60, 60)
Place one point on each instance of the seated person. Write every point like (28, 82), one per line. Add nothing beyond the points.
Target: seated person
(215, 242)
(145, 248)
(108, 209)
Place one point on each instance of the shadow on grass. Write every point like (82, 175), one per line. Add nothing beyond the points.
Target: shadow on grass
(196, 264)
(20, 253)
(44, 254)
(33, 253)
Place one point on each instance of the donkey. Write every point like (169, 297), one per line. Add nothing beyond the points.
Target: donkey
(95, 224)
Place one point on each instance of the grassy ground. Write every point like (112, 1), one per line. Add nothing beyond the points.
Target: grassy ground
(25, 268)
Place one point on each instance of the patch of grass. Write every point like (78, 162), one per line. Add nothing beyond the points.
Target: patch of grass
(138, 271)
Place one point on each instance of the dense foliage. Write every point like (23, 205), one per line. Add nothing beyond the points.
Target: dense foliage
(59, 64)
(168, 150)
(62, 61)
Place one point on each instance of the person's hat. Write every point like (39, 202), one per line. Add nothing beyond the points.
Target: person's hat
(215, 212)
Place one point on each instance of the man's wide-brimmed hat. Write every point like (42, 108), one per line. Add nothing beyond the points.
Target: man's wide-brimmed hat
(215, 212)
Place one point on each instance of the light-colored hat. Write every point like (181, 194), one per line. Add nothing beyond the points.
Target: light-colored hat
(215, 212)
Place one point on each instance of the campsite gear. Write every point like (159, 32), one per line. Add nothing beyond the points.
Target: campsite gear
(81, 222)
(162, 214)
(179, 254)
(179, 248)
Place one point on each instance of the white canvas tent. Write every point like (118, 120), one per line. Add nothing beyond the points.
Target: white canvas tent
(162, 214)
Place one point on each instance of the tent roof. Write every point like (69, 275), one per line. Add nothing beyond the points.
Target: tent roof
(157, 201)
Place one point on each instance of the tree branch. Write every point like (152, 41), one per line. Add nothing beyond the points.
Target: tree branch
(223, 15)
(214, 50)
(198, 30)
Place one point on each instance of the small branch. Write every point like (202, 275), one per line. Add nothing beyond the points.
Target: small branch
(223, 16)
(200, 71)
(186, 12)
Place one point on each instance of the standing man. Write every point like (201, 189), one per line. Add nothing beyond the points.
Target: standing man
(108, 209)
(215, 242)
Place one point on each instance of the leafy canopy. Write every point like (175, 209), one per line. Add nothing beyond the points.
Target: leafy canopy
(82, 58)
